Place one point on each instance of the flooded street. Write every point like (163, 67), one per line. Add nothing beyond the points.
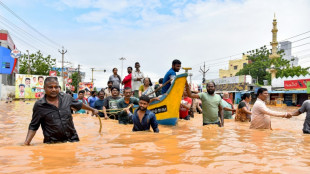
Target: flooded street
(186, 148)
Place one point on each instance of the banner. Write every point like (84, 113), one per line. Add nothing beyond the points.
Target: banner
(87, 86)
(308, 87)
(30, 86)
(296, 84)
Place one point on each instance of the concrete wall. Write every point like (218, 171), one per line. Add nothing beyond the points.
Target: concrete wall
(6, 90)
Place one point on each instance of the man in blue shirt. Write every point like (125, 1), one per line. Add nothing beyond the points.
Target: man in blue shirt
(176, 66)
(92, 99)
(99, 104)
(143, 118)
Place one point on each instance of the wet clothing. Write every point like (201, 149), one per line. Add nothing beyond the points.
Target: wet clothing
(123, 116)
(56, 123)
(241, 115)
(127, 81)
(116, 80)
(183, 112)
(107, 92)
(91, 101)
(99, 106)
(169, 75)
(260, 115)
(149, 119)
(111, 103)
(218, 123)
(306, 108)
(210, 107)
(227, 114)
(81, 111)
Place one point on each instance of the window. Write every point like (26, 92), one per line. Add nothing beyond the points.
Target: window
(244, 65)
(6, 65)
(235, 67)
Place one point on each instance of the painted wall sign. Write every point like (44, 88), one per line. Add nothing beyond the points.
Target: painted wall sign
(296, 84)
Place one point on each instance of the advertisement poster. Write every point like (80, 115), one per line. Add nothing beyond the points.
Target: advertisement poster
(296, 84)
(30, 86)
(87, 86)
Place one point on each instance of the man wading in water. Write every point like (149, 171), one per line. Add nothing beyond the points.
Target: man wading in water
(53, 113)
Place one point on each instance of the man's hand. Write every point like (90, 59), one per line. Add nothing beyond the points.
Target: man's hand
(94, 112)
(127, 110)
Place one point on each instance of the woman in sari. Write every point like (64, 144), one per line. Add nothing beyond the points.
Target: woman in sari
(244, 113)
(146, 88)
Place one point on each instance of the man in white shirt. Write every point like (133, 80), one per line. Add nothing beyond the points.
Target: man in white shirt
(137, 79)
(260, 118)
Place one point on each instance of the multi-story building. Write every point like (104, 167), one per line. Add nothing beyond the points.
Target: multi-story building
(234, 66)
(286, 46)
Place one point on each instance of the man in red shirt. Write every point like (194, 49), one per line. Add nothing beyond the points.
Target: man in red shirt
(127, 80)
(185, 106)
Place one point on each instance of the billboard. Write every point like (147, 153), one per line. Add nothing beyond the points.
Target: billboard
(296, 84)
(30, 86)
(87, 86)
(7, 63)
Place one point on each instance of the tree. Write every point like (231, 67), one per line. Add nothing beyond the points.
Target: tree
(39, 65)
(259, 62)
(75, 81)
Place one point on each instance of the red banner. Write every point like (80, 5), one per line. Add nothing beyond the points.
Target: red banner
(69, 80)
(296, 84)
(53, 73)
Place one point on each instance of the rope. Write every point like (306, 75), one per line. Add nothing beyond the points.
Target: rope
(100, 123)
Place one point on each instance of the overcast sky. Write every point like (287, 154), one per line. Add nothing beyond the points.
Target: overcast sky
(97, 33)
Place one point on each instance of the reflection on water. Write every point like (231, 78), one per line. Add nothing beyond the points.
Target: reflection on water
(187, 147)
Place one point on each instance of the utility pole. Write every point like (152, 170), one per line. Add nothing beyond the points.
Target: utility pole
(92, 74)
(204, 71)
(79, 75)
(63, 52)
(190, 77)
(122, 59)
(29, 71)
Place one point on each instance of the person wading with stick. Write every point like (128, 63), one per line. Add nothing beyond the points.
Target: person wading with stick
(53, 113)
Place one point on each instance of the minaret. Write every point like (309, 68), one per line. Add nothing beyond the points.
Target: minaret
(274, 42)
(274, 45)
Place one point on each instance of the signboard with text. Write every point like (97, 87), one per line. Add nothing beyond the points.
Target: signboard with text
(296, 84)
(53, 73)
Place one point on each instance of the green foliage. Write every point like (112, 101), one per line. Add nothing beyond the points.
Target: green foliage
(95, 89)
(260, 62)
(39, 65)
(75, 81)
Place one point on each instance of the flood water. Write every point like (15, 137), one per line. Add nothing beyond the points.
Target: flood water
(186, 148)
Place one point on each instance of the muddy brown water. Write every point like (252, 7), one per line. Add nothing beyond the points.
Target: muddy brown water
(186, 148)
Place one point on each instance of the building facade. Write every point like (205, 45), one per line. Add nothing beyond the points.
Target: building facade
(234, 66)
(286, 46)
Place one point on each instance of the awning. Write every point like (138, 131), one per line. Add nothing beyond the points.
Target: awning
(289, 92)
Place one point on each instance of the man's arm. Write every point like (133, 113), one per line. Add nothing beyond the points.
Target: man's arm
(154, 124)
(29, 137)
(229, 109)
(221, 115)
(86, 107)
(189, 93)
(296, 113)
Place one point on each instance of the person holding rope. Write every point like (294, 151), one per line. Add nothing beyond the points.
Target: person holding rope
(52, 112)
(124, 103)
(110, 103)
(99, 104)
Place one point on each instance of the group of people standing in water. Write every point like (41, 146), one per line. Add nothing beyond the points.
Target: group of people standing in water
(53, 111)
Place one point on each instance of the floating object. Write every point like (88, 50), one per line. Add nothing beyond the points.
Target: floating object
(167, 108)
